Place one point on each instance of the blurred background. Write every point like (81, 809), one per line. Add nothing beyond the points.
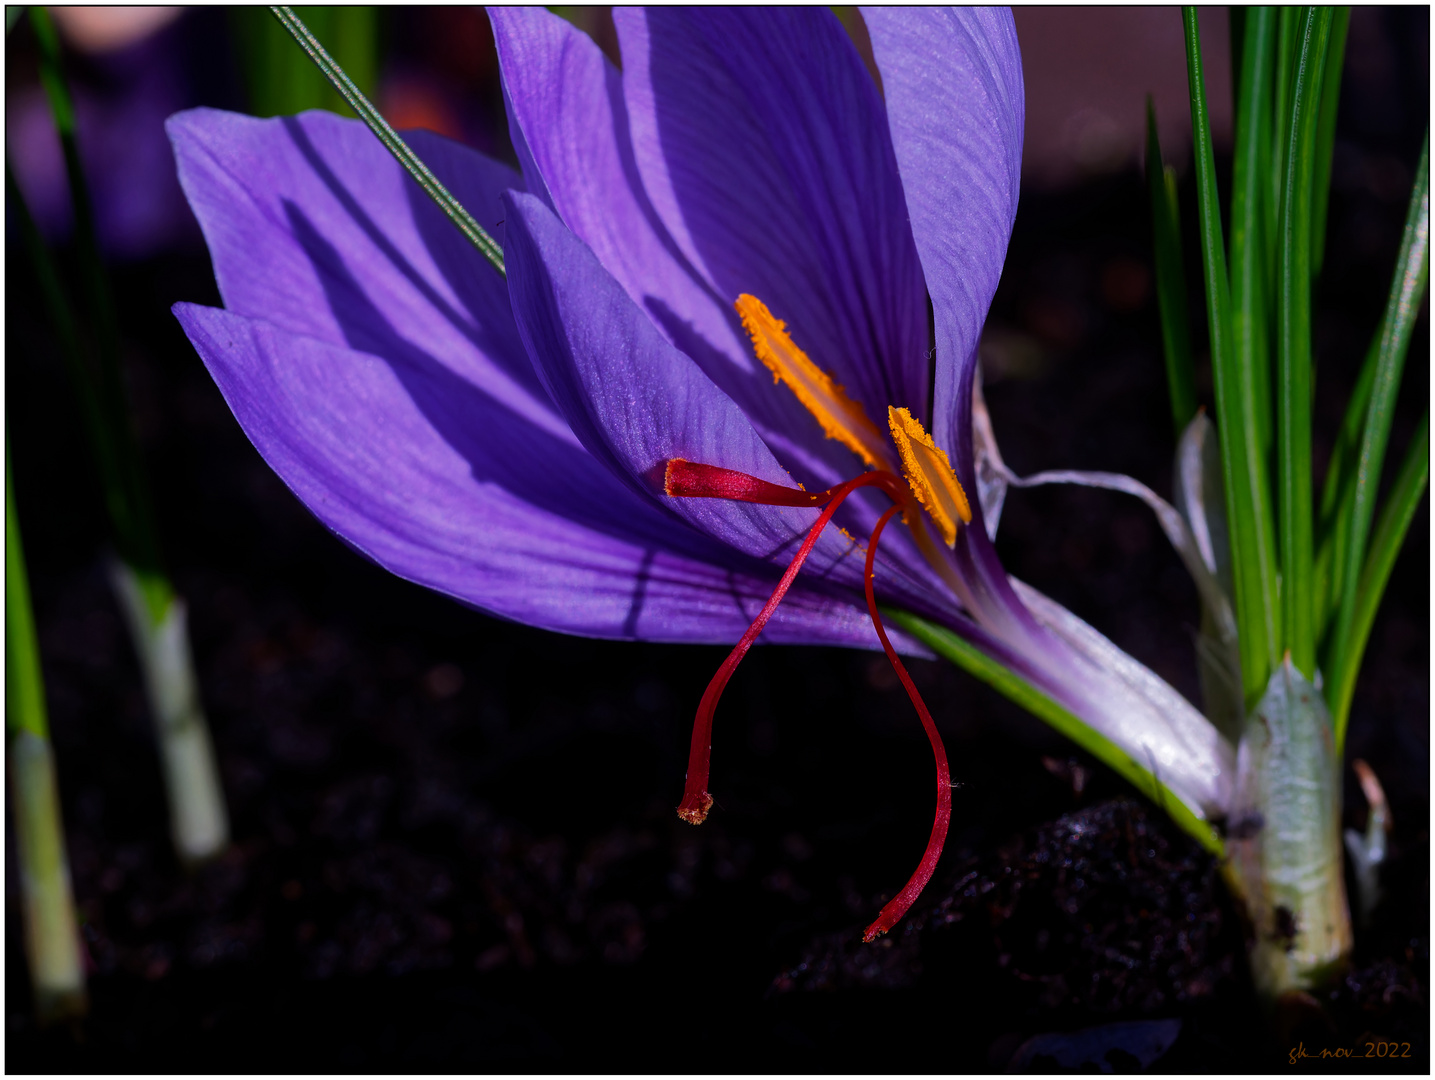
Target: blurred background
(403, 890)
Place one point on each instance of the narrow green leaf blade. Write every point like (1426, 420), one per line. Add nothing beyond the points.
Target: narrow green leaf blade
(1170, 281)
(24, 686)
(405, 156)
(128, 496)
(1293, 347)
(1247, 484)
(1402, 309)
(1249, 307)
(1325, 138)
(1337, 498)
(1385, 545)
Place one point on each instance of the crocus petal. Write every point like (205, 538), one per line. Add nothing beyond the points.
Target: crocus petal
(763, 145)
(435, 480)
(636, 402)
(569, 128)
(953, 83)
(569, 124)
(1140, 712)
(351, 246)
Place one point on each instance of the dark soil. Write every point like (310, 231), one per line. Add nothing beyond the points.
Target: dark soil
(454, 838)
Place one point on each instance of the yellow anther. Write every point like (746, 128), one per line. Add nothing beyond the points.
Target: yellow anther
(841, 418)
(930, 474)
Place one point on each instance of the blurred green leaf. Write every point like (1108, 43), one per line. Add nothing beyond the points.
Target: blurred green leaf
(24, 686)
(282, 81)
(313, 51)
(1249, 292)
(1395, 518)
(1170, 279)
(102, 393)
(1407, 290)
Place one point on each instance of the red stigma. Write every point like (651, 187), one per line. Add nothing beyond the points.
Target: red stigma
(689, 479)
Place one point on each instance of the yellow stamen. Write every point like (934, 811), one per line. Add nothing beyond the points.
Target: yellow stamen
(841, 418)
(930, 474)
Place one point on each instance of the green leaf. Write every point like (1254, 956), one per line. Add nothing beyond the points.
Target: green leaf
(24, 686)
(1389, 535)
(51, 940)
(1287, 46)
(1325, 138)
(1337, 499)
(100, 384)
(1293, 350)
(953, 648)
(465, 222)
(1402, 309)
(1251, 326)
(281, 81)
(1248, 504)
(1170, 279)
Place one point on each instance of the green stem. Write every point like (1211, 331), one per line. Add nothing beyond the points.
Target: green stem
(1293, 350)
(1401, 311)
(1389, 535)
(953, 648)
(52, 943)
(1170, 279)
(1248, 510)
(470, 228)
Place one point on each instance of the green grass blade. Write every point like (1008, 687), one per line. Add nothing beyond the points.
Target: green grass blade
(470, 228)
(24, 687)
(1293, 348)
(1247, 483)
(13, 14)
(61, 312)
(133, 527)
(1170, 280)
(966, 656)
(281, 81)
(1325, 137)
(1249, 311)
(1337, 498)
(57, 972)
(1288, 18)
(1402, 309)
(1385, 545)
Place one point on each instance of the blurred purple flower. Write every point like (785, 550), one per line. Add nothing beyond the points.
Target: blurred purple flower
(132, 79)
(504, 443)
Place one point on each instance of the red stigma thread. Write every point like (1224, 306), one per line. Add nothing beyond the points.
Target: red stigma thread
(685, 478)
(898, 905)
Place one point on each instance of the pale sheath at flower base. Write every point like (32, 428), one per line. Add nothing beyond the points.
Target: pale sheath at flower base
(513, 444)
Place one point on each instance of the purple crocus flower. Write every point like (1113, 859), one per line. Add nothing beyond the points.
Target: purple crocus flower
(508, 443)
